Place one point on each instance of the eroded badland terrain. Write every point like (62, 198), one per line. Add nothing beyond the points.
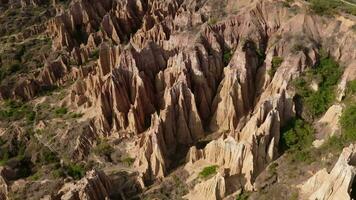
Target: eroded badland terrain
(177, 99)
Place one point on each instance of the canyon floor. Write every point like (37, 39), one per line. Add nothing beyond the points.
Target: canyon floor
(177, 99)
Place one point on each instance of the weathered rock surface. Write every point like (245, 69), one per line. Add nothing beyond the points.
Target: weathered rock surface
(336, 184)
(165, 75)
(329, 124)
(212, 189)
(94, 186)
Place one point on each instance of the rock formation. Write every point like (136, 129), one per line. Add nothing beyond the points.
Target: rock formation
(94, 186)
(336, 184)
(329, 124)
(212, 189)
(168, 80)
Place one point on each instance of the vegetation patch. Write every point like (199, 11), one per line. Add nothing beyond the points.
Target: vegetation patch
(348, 122)
(330, 7)
(75, 171)
(208, 171)
(15, 110)
(212, 21)
(104, 148)
(272, 169)
(297, 138)
(61, 111)
(327, 74)
(242, 196)
(276, 63)
(227, 57)
(351, 88)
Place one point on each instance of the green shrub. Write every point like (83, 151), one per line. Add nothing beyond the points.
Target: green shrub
(30, 116)
(272, 169)
(104, 148)
(348, 122)
(4, 157)
(324, 7)
(297, 134)
(276, 63)
(75, 115)
(15, 110)
(297, 137)
(327, 74)
(212, 21)
(227, 57)
(75, 171)
(58, 173)
(61, 111)
(14, 68)
(35, 176)
(95, 54)
(351, 87)
(334, 144)
(48, 157)
(208, 171)
(242, 196)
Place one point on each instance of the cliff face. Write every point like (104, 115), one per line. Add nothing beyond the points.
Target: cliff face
(157, 79)
(334, 185)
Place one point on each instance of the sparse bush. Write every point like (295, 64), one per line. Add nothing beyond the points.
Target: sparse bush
(75, 171)
(276, 63)
(208, 171)
(227, 57)
(212, 21)
(104, 148)
(58, 173)
(353, 27)
(297, 134)
(297, 137)
(16, 110)
(351, 87)
(324, 7)
(95, 54)
(4, 156)
(35, 176)
(327, 73)
(48, 157)
(75, 115)
(242, 196)
(334, 143)
(61, 111)
(348, 122)
(272, 169)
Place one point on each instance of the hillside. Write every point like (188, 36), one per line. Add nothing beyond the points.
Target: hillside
(177, 99)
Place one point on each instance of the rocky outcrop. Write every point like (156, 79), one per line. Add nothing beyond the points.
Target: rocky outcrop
(250, 150)
(151, 159)
(329, 124)
(94, 186)
(54, 72)
(212, 189)
(336, 184)
(4, 183)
